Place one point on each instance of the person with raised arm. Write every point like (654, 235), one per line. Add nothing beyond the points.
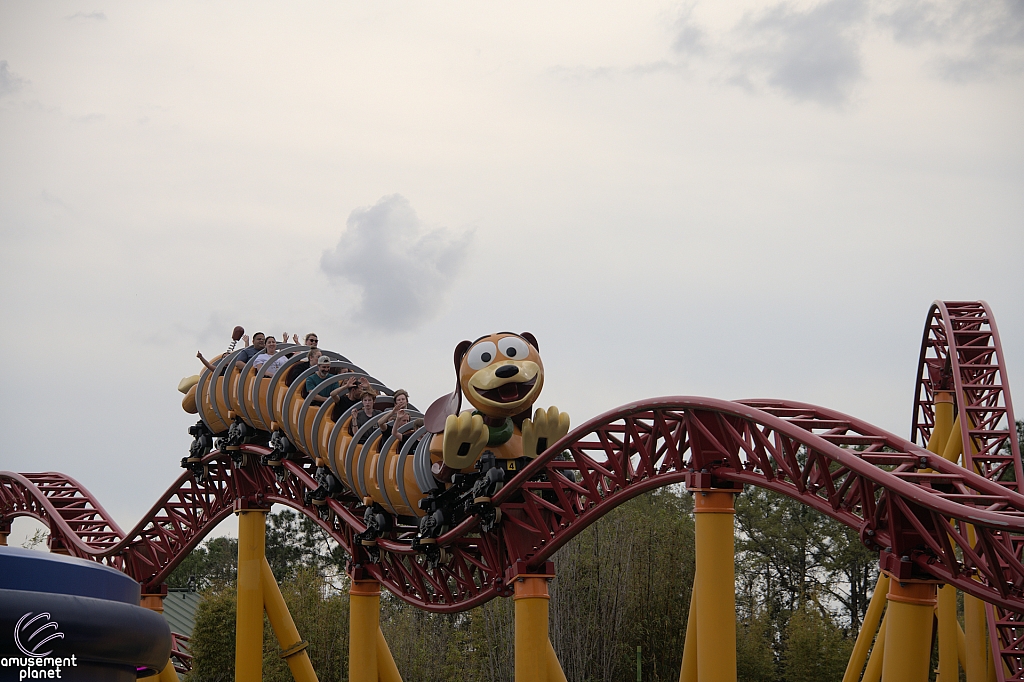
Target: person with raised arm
(401, 404)
(269, 350)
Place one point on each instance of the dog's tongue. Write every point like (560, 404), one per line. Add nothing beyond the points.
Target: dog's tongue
(509, 391)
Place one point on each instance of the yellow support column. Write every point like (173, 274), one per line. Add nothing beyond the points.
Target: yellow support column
(168, 674)
(364, 624)
(976, 631)
(252, 539)
(715, 585)
(943, 422)
(688, 671)
(868, 629)
(387, 671)
(949, 671)
(535, 657)
(975, 627)
(293, 647)
(908, 638)
(873, 673)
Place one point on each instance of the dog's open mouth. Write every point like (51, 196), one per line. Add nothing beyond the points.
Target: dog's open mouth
(511, 392)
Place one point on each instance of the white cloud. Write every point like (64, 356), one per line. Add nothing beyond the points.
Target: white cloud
(404, 270)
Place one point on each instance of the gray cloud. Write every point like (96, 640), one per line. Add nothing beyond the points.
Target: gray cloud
(809, 55)
(975, 39)
(10, 83)
(691, 39)
(814, 54)
(87, 16)
(404, 270)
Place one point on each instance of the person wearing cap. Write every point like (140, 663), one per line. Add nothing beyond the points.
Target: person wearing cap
(323, 370)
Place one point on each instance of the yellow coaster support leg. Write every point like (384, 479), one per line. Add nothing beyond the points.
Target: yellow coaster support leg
(867, 630)
(975, 627)
(364, 626)
(948, 668)
(873, 673)
(715, 585)
(252, 540)
(555, 673)
(293, 647)
(535, 657)
(168, 674)
(387, 671)
(688, 671)
(976, 633)
(949, 671)
(908, 638)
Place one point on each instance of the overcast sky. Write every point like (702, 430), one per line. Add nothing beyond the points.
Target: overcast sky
(730, 199)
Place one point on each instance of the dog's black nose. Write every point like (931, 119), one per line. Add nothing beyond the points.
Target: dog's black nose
(506, 371)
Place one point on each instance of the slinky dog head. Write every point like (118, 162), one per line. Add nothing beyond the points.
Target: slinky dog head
(501, 375)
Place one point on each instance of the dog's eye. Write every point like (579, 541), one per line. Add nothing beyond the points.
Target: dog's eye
(481, 355)
(513, 347)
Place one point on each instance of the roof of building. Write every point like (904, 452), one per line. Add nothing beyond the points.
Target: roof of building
(180, 610)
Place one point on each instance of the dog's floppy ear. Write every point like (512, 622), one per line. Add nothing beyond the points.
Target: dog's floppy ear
(439, 410)
(532, 339)
(460, 352)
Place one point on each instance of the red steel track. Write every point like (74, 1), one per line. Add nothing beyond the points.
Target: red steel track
(911, 505)
(961, 353)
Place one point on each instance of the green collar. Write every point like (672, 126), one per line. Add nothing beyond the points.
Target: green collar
(498, 435)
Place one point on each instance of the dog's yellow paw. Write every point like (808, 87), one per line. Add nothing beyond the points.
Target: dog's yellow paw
(545, 428)
(465, 437)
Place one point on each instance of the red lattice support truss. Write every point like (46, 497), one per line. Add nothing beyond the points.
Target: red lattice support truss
(961, 354)
(911, 505)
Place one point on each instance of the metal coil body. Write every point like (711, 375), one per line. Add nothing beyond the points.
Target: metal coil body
(280, 403)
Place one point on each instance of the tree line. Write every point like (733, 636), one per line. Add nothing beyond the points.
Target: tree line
(623, 583)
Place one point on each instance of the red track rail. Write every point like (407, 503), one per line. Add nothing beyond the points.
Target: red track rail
(181, 657)
(961, 354)
(916, 517)
(912, 505)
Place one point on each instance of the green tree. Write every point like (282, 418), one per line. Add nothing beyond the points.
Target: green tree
(755, 659)
(624, 582)
(321, 617)
(815, 649)
(212, 563)
(213, 637)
